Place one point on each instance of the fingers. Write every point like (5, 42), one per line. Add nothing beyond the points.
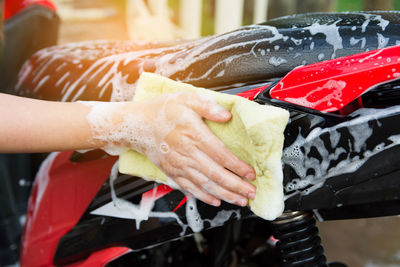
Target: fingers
(207, 168)
(222, 177)
(198, 193)
(206, 106)
(216, 190)
(216, 150)
(192, 170)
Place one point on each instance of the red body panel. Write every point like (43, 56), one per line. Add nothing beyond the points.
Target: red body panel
(62, 192)
(12, 7)
(328, 86)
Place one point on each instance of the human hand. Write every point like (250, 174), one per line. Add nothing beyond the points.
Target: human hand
(170, 131)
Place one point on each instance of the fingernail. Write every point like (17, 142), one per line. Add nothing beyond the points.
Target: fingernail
(218, 110)
(216, 203)
(225, 114)
(250, 176)
(252, 195)
(242, 202)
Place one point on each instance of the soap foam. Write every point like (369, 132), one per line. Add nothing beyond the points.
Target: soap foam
(122, 208)
(102, 124)
(296, 155)
(276, 61)
(331, 32)
(164, 148)
(129, 130)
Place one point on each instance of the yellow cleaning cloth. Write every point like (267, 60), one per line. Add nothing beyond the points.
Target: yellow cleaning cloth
(254, 134)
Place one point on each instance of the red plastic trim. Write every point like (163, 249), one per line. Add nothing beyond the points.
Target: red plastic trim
(328, 86)
(12, 7)
(61, 194)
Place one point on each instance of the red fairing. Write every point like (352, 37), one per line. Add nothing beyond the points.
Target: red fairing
(12, 7)
(61, 194)
(329, 86)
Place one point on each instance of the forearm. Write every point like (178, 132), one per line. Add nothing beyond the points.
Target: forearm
(28, 125)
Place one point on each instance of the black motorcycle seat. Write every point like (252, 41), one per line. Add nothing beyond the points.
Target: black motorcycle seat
(108, 70)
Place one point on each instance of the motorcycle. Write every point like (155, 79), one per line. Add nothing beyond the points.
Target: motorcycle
(341, 85)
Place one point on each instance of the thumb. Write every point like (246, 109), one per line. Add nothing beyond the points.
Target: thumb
(206, 106)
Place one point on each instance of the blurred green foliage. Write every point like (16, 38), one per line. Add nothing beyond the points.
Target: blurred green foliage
(357, 5)
(396, 4)
(346, 5)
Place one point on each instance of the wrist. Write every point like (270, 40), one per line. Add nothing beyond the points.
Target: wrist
(105, 119)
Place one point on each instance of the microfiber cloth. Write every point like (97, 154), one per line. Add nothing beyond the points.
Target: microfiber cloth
(254, 134)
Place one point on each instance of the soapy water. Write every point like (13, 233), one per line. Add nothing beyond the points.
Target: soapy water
(331, 31)
(164, 148)
(354, 41)
(382, 41)
(276, 61)
(297, 154)
(165, 65)
(122, 208)
(131, 130)
(373, 17)
(103, 126)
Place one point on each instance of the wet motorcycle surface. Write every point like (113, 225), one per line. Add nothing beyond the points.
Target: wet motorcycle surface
(330, 161)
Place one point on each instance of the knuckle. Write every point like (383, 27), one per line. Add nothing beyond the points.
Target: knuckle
(218, 178)
(210, 187)
(242, 168)
(169, 167)
(197, 177)
(186, 141)
(203, 181)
